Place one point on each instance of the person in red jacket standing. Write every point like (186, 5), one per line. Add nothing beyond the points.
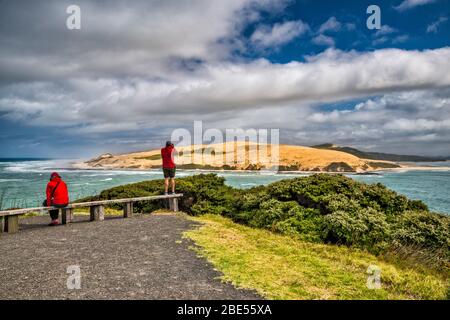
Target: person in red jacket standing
(169, 168)
(57, 196)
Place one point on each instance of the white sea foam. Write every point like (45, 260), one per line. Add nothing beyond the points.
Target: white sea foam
(65, 166)
(37, 166)
(9, 180)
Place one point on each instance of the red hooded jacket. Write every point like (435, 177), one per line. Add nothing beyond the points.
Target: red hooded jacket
(60, 195)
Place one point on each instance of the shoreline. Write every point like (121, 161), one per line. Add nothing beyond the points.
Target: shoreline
(404, 167)
(86, 180)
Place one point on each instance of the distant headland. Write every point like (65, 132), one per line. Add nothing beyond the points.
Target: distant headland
(226, 156)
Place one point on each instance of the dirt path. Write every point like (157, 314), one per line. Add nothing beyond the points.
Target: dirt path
(143, 257)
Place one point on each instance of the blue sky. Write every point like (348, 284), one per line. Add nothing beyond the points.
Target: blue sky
(409, 27)
(137, 71)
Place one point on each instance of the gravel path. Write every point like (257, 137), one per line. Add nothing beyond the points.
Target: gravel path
(143, 257)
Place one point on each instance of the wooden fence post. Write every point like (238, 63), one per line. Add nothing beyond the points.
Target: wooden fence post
(12, 224)
(128, 209)
(2, 224)
(97, 213)
(173, 204)
(66, 215)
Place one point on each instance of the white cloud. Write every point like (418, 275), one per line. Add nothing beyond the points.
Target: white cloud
(385, 29)
(417, 125)
(278, 34)
(137, 76)
(220, 87)
(119, 39)
(332, 25)
(409, 4)
(383, 36)
(435, 25)
(412, 122)
(379, 41)
(400, 39)
(323, 40)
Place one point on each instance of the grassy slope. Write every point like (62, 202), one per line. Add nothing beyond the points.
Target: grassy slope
(281, 267)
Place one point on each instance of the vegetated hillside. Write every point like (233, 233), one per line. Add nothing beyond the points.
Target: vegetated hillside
(378, 155)
(282, 267)
(244, 156)
(319, 208)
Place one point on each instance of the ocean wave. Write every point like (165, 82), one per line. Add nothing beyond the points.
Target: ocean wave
(89, 173)
(365, 176)
(37, 166)
(98, 175)
(46, 167)
(9, 180)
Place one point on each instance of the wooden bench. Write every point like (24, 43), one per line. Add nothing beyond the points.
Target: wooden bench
(9, 219)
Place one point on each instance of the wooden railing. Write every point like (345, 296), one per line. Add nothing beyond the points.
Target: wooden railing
(9, 219)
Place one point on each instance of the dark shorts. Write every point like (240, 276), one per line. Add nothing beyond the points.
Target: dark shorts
(169, 173)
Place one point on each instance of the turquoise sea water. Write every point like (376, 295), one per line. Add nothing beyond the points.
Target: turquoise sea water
(22, 181)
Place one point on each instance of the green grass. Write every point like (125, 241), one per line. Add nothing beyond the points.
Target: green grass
(383, 165)
(282, 267)
(152, 157)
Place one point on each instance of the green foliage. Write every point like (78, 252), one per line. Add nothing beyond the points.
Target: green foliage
(319, 208)
(384, 165)
(365, 228)
(425, 230)
(204, 193)
(152, 157)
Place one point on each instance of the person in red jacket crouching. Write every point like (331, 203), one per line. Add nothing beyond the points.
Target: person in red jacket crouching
(57, 196)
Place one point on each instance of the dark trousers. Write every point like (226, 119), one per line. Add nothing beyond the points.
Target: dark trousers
(55, 213)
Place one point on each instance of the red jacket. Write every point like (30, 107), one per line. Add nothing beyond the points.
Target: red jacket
(167, 157)
(60, 195)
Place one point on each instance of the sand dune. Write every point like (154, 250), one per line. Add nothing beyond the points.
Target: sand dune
(244, 156)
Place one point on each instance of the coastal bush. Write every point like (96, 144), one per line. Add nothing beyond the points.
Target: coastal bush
(320, 208)
(425, 230)
(204, 193)
(365, 228)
